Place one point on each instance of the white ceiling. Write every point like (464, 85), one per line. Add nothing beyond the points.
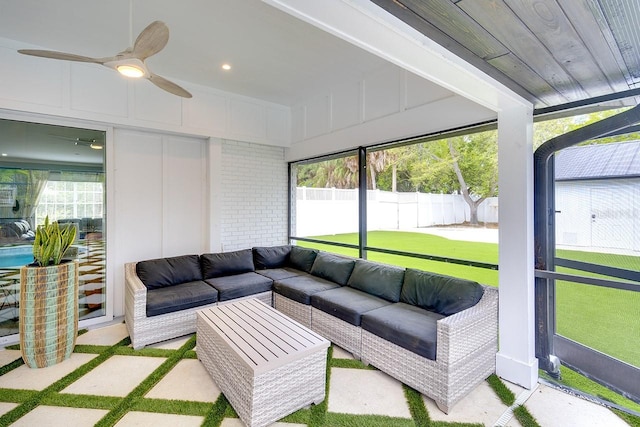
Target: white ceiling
(275, 57)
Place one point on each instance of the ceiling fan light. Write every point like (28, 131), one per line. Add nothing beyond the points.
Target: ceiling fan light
(130, 70)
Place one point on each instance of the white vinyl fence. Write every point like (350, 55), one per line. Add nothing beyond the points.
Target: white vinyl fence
(322, 211)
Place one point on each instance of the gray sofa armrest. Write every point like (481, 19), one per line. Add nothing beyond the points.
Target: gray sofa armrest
(135, 300)
(476, 328)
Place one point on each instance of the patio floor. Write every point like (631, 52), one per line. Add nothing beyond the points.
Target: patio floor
(105, 382)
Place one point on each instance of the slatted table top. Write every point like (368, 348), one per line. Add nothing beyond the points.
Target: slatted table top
(262, 337)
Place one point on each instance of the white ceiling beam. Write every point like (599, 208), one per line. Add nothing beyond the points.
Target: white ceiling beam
(369, 27)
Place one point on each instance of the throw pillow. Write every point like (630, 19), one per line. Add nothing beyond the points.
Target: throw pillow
(302, 258)
(158, 273)
(332, 267)
(435, 292)
(381, 280)
(226, 263)
(271, 256)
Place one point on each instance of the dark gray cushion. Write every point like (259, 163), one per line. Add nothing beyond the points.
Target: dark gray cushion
(407, 326)
(346, 303)
(161, 272)
(281, 273)
(271, 256)
(302, 258)
(300, 288)
(443, 294)
(332, 267)
(381, 280)
(240, 285)
(226, 263)
(180, 297)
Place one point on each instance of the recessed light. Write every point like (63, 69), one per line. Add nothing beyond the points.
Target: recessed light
(226, 67)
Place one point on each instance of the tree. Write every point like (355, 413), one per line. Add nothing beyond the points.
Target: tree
(475, 163)
(376, 162)
(545, 130)
(464, 164)
(335, 173)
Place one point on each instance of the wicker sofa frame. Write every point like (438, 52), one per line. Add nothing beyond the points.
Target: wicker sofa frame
(145, 330)
(465, 356)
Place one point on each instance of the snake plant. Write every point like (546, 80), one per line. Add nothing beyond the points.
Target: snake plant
(51, 242)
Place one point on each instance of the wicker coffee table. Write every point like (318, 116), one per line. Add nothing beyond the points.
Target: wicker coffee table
(266, 364)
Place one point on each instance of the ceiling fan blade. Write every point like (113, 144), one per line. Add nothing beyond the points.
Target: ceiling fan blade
(151, 40)
(59, 55)
(169, 86)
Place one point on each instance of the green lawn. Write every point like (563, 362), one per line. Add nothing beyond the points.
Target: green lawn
(605, 319)
(602, 318)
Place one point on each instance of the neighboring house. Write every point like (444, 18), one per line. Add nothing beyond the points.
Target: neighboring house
(598, 197)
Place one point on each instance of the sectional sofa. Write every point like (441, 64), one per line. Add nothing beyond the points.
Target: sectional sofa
(435, 333)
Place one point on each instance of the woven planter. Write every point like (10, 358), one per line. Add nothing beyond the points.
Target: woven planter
(48, 313)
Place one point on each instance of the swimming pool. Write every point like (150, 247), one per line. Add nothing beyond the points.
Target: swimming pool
(16, 256)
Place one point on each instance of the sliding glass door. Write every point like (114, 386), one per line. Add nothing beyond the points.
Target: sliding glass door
(56, 172)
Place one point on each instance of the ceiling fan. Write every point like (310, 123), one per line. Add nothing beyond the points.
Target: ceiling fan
(130, 62)
(96, 144)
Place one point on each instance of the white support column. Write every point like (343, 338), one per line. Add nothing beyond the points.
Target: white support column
(516, 360)
(367, 26)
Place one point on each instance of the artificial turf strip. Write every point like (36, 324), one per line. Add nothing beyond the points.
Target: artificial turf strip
(506, 396)
(90, 349)
(149, 352)
(524, 417)
(177, 407)
(348, 420)
(351, 364)
(573, 379)
(15, 395)
(35, 400)
(191, 354)
(445, 424)
(418, 411)
(216, 414)
(80, 401)
(133, 398)
(628, 418)
(11, 366)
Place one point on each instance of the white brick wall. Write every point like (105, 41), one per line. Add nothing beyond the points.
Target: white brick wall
(254, 196)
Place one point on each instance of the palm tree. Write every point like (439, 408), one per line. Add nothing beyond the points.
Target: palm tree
(376, 162)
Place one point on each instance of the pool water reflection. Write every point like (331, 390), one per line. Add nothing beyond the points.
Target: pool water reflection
(16, 256)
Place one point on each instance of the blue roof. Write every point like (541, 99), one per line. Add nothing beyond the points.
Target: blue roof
(618, 160)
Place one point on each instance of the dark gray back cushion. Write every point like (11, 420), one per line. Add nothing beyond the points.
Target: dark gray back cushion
(380, 280)
(271, 256)
(443, 294)
(302, 258)
(332, 267)
(158, 273)
(226, 263)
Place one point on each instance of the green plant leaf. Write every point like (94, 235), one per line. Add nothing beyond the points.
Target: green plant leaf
(51, 242)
